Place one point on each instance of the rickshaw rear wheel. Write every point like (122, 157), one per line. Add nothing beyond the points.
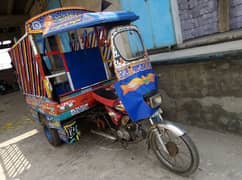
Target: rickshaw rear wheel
(52, 136)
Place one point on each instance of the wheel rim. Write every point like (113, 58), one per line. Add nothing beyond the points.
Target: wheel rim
(179, 158)
(48, 133)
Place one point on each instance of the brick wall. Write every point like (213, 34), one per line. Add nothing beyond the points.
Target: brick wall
(198, 17)
(235, 14)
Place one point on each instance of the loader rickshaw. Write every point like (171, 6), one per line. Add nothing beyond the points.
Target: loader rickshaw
(74, 63)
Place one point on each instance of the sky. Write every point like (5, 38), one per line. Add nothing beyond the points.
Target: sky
(5, 61)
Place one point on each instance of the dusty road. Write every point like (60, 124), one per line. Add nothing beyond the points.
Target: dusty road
(26, 155)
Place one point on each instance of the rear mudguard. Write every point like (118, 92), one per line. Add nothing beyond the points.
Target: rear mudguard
(164, 125)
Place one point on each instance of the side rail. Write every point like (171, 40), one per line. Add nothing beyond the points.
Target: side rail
(27, 68)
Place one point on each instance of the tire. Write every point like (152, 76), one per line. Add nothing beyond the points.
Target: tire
(166, 159)
(52, 136)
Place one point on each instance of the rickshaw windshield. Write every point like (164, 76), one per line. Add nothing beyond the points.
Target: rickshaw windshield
(129, 45)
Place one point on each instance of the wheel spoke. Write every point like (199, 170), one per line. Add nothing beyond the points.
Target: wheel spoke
(188, 156)
(171, 160)
(178, 141)
(182, 163)
(167, 132)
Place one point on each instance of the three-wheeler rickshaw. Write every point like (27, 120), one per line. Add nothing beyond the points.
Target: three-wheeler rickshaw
(75, 64)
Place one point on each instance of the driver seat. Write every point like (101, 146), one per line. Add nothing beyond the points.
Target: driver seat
(106, 97)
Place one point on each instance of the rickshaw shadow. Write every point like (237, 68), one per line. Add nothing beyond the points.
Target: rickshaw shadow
(138, 149)
(133, 154)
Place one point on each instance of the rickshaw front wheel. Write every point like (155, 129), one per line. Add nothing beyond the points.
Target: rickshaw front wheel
(182, 157)
(52, 136)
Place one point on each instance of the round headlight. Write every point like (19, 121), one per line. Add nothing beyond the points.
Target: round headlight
(155, 101)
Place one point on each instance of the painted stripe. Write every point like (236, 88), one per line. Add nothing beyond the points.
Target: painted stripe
(27, 68)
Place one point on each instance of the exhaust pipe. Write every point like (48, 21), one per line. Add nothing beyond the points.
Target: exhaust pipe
(108, 136)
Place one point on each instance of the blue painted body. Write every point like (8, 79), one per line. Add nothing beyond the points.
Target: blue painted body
(87, 19)
(155, 22)
(86, 63)
(133, 101)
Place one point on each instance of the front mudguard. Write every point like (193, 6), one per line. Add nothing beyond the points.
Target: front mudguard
(163, 125)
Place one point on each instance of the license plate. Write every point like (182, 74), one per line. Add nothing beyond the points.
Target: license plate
(72, 131)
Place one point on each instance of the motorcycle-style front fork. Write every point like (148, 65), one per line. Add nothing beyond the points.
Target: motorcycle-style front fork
(158, 123)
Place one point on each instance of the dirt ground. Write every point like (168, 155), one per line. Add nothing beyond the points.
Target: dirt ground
(25, 154)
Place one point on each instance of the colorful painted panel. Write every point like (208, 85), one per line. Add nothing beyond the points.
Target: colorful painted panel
(27, 68)
(37, 24)
(52, 26)
(64, 110)
(126, 68)
(131, 92)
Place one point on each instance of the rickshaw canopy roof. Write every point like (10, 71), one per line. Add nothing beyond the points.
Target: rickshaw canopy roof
(87, 20)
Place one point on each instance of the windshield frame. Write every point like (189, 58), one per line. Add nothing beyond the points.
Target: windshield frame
(142, 43)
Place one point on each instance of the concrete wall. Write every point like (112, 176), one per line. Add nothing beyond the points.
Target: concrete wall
(114, 6)
(207, 94)
(94, 4)
(38, 7)
(42, 5)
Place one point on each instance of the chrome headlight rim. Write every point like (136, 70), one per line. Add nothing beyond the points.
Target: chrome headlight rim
(155, 101)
